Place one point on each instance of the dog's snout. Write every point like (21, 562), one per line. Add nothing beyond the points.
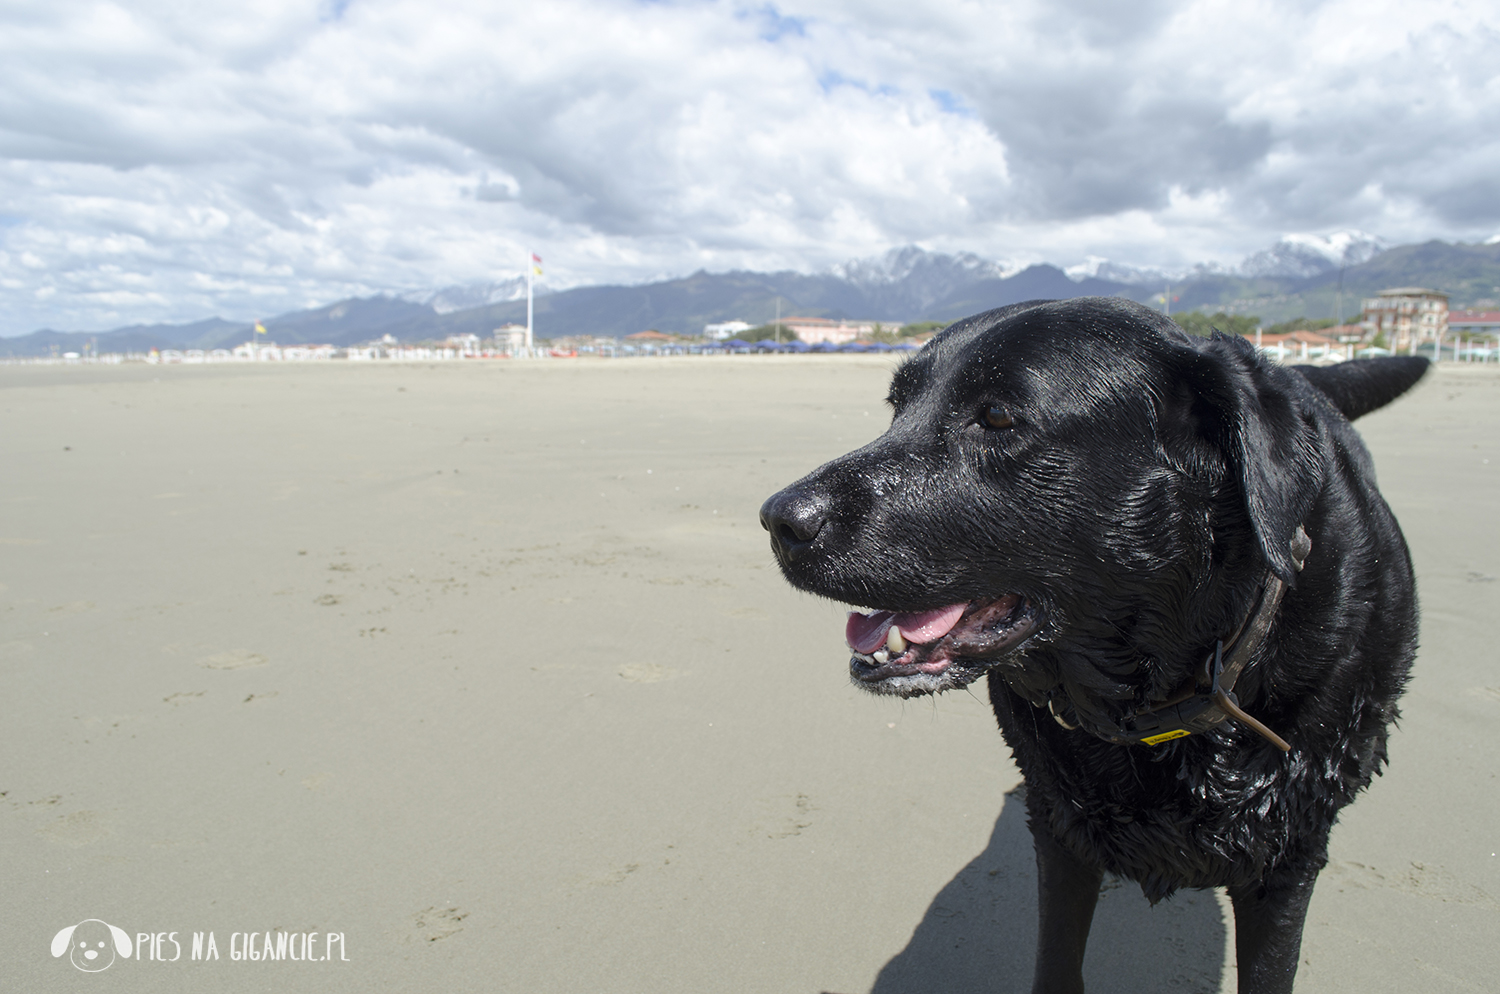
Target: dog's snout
(794, 520)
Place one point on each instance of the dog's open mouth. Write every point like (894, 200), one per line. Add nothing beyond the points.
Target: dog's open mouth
(907, 653)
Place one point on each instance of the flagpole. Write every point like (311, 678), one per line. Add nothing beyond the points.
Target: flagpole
(529, 267)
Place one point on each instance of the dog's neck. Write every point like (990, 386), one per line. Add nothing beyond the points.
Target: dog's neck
(1206, 698)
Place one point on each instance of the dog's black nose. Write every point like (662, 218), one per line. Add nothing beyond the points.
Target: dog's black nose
(794, 520)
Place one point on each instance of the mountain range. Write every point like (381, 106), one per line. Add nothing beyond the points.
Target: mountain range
(1300, 276)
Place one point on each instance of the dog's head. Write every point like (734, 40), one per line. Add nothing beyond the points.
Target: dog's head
(91, 945)
(1075, 493)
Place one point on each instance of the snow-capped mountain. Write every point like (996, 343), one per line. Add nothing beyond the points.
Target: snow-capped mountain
(913, 261)
(1303, 255)
(910, 279)
(908, 284)
(1101, 268)
(1297, 256)
(460, 298)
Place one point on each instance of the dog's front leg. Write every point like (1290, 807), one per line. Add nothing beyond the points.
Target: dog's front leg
(1067, 890)
(1268, 921)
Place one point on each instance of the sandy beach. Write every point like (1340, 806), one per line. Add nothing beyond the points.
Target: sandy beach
(486, 670)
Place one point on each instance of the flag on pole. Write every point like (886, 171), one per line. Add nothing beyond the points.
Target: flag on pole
(260, 329)
(536, 264)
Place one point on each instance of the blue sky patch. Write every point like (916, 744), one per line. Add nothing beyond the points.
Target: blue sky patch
(952, 103)
(831, 79)
(776, 26)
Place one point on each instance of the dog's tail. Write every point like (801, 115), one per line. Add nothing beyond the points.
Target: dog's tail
(1359, 386)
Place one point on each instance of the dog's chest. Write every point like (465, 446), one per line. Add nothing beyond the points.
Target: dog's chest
(1178, 817)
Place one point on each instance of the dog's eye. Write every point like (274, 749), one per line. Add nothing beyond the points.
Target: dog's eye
(998, 417)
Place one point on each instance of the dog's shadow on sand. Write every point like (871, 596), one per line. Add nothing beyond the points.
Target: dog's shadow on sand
(979, 933)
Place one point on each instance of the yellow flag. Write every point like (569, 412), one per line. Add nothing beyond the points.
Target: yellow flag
(260, 329)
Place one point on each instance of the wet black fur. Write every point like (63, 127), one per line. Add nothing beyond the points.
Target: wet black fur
(1150, 482)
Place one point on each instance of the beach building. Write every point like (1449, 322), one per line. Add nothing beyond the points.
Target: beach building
(303, 353)
(1303, 346)
(1475, 324)
(815, 330)
(466, 344)
(510, 338)
(725, 329)
(251, 351)
(1407, 316)
(263, 352)
(1345, 333)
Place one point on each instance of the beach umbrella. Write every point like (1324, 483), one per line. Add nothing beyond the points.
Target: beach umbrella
(904, 347)
(852, 347)
(877, 347)
(825, 347)
(766, 345)
(797, 346)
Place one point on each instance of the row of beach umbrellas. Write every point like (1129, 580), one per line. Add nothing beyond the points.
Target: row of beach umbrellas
(767, 345)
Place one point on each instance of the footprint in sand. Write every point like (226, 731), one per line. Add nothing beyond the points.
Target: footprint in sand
(1418, 879)
(435, 924)
(647, 672)
(80, 828)
(235, 659)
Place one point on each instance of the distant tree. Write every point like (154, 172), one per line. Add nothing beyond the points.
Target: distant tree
(768, 331)
(921, 328)
(1198, 323)
(1300, 324)
(885, 333)
(1194, 322)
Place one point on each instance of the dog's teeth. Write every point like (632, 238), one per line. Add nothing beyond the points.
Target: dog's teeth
(894, 641)
(882, 657)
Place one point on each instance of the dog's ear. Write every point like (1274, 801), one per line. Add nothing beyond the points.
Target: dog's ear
(122, 941)
(61, 940)
(1273, 447)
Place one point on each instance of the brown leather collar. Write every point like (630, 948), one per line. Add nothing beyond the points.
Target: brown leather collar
(1207, 697)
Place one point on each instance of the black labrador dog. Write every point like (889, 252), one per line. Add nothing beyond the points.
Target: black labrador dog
(1169, 557)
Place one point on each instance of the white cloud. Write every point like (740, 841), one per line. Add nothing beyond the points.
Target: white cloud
(161, 162)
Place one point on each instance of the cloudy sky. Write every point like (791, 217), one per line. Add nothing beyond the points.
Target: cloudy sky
(163, 160)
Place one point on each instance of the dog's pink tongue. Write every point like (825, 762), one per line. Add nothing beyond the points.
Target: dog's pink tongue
(867, 632)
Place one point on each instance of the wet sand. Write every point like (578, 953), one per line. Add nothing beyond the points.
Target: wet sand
(487, 670)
